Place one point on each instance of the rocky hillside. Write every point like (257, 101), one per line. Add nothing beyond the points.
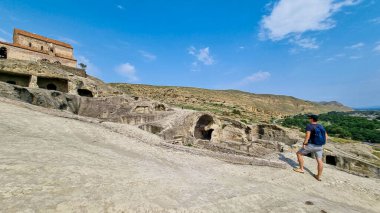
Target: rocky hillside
(244, 106)
(54, 161)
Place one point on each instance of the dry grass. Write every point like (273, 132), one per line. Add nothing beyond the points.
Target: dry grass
(233, 104)
(342, 140)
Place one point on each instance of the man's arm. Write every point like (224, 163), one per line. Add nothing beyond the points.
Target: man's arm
(307, 137)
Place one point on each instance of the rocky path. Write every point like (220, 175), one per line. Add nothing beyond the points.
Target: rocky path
(54, 164)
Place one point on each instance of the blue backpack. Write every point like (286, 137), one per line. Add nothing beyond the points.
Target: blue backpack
(318, 136)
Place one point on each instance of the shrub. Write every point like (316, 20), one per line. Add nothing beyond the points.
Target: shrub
(236, 112)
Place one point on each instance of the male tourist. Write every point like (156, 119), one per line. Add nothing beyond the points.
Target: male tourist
(315, 138)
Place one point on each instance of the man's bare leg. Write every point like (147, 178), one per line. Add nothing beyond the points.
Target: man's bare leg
(320, 168)
(300, 160)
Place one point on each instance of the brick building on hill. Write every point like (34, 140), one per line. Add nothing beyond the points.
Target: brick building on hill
(32, 47)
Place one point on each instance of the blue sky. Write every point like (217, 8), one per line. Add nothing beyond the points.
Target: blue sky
(318, 50)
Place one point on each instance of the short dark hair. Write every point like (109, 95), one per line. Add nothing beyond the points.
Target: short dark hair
(314, 117)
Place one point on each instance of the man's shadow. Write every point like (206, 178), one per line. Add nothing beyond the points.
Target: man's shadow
(293, 163)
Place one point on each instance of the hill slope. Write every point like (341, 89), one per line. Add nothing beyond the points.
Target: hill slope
(247, 107)
(51, 163)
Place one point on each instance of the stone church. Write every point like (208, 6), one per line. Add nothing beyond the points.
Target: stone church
(32, 47)
(34, 61)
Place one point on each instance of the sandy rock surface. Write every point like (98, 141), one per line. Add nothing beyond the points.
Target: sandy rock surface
(49, 163)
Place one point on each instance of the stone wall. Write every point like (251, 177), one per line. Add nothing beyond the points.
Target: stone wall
(15, 52)
(63, 51)
(32, 44)
(42, 45)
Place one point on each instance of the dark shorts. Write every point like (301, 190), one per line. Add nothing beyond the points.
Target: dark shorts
(311, 148)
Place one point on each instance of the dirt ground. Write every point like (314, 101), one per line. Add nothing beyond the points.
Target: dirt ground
(49, 163)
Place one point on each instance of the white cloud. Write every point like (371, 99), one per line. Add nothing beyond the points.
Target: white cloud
(8, 36)
(68, 40)
(148, 56)
(377, 48)
(291, 18)
(375, 20)
(255, 77)
(356, 46)
(120, 7)
(307, 43)
(127, 70)
(202, 55)
(355, 57)
(336, 57)
(2, 31)
(91, 69)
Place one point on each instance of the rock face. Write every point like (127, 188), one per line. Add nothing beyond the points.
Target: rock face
(356, 158)
(122, 109)
(53, 77)
(185, 127)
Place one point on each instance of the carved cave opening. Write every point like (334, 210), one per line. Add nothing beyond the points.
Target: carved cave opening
(58, 84)
(331, 160)
(202, 128)
(85, 93)
(15, 78)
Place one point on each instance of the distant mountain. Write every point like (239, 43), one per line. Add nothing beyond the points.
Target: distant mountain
(331, 103)
(235, 104)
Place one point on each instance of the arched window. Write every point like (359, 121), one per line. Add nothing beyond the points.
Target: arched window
(30, 44)
(3, 52)
(42, 47)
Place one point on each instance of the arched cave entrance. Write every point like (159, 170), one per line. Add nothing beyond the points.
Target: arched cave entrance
(85, 93)
(11, 82)
(202, 128)
(331, 160)
(248, 133)
(51, 87)
(3, 53)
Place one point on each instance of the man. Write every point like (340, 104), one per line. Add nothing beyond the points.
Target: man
(316, 137)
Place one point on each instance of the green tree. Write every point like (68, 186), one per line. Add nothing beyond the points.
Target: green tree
(341, 124)
(83, 66)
